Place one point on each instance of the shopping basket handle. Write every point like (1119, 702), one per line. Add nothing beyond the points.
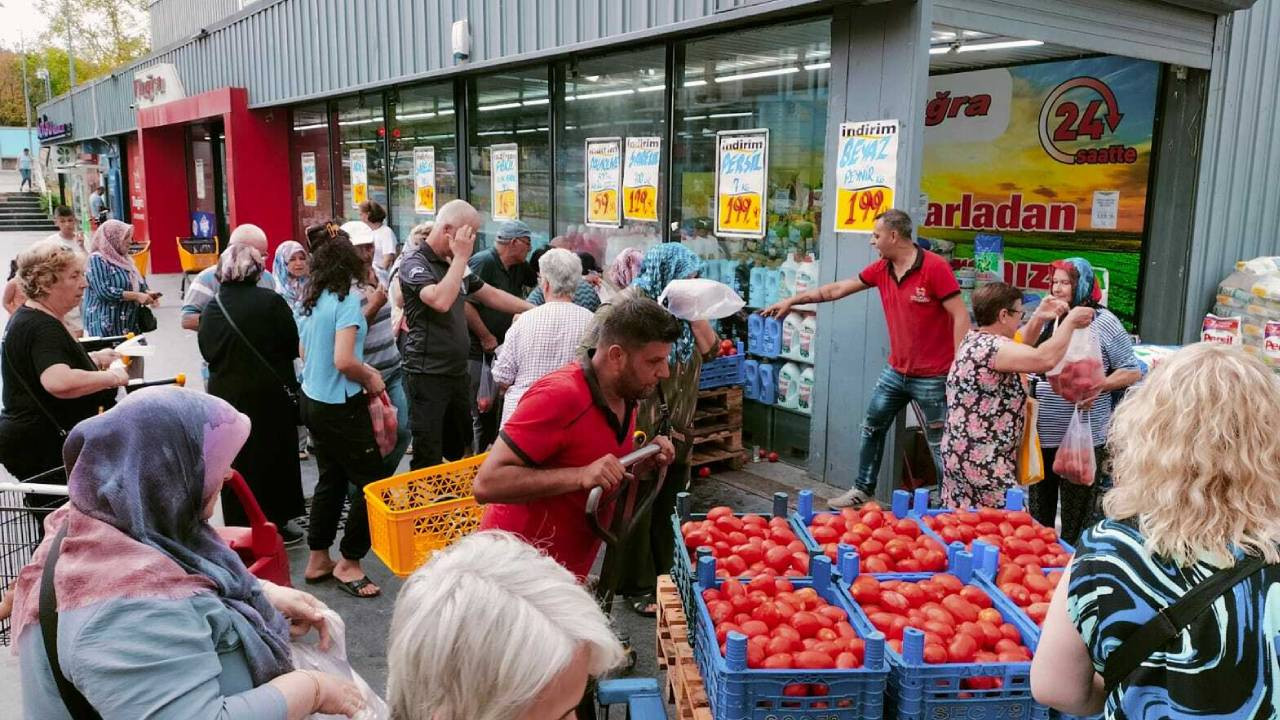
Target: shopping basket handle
(180, 380)
(597, 495)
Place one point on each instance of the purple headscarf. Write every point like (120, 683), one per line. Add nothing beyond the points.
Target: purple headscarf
(625, 267)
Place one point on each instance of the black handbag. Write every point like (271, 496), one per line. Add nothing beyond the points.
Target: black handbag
(285, 385)
(146, 320)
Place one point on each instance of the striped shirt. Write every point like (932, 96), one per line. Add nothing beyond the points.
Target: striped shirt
(541, 341)
(104, 308)
(584, 295)
(380, 349)
(1117, 354)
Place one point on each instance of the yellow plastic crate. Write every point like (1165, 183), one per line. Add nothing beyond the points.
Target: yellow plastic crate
(414, 514)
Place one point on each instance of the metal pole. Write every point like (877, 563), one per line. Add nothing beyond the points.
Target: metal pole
(26, 94)
(71, 56)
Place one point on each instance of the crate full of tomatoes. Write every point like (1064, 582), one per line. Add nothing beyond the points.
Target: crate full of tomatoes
(1030, 587)
(955, 649)
(888, 540)
(773, 647)
(1012, 530)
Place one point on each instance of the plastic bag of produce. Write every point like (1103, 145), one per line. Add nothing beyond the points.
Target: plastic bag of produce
(700, 299)
(1222, 330)
(385, 424)
(307, 655)
(1079, 374)
(488, 390)
(1075, 461)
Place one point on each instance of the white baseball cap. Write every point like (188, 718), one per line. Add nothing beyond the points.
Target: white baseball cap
(359, 233)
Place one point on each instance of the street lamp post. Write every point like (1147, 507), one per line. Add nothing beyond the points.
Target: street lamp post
(43, 74)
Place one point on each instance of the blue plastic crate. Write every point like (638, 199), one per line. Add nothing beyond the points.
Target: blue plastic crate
(804, 514)
(642, 696)
(986, 577)
(739, 693)
(722, 371)
(1015, 499)
(918, 690)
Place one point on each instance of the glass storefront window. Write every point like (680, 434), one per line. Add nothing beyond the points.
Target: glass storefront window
(360, 128)
(619, 95)
(512, 107)
(421, 117)
(773, 78)
(312, 201)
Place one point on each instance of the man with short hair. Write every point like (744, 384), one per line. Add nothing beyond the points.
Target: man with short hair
(503, 266)
(204, 287)
(569, 432)
(68, 229)
(98, 205)
(927, 319)
(436, 283)
(24, 170)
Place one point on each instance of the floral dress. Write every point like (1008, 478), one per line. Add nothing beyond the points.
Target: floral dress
(984, 425)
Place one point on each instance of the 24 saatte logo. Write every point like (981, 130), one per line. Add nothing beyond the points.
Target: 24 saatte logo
(1066, 121)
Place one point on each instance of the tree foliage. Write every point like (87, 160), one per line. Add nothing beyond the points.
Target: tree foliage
(53, 59)
(106, 33)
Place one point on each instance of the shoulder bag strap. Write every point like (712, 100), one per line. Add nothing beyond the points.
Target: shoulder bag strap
(4, 350)
(230, 321)
(1169, 622)
(75, 702)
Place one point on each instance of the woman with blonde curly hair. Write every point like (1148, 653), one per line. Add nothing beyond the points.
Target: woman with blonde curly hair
(1196, 462)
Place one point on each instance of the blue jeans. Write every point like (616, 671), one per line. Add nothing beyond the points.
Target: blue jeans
(891, 394)
(404, 434)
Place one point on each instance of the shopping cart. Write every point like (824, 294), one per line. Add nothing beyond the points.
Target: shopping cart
(195, 254)
(23, 508)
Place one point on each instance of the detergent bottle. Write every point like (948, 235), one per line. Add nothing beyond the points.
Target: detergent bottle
(751, 379)
(805, 401)
(789, 386)
(772, 287)
(790, 346)
(806, 275)
(755, 332)
(772, 338)
(808, 333)
(757, 289)
(768, 384)
(789, 269)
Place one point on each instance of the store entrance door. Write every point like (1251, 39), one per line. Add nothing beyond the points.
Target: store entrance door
(206, 174)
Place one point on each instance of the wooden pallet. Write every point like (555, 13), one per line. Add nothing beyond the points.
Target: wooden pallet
(716, 435)
(684, 686)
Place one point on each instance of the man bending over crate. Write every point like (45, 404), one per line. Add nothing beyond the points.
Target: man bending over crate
(569, 431)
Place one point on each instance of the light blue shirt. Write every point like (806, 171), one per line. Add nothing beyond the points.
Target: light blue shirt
(148, 658)
(321, 380)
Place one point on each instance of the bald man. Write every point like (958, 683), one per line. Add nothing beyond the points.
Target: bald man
(205, 286)
(436, 283)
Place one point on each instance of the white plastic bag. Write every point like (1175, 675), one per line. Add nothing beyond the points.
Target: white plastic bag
(308, 656)
(1079, 374)
(700, 299)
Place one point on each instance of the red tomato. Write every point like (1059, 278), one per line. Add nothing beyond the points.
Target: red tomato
(834, 613)
(962, 648)
(814, 660)
(975, 596)
(1037, 612)
(948, 582)
(1011, 632)
(875, 564)
(847, 661)
(719, 511)
(755, 628)
(935, 654)
(778, 661)
(806, 623)
(961, 608)
(865, 590)
(796, 690)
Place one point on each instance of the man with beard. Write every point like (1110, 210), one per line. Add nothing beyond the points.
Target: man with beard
(568, 433)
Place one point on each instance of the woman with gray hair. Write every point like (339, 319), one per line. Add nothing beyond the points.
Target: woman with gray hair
(545, 338)
(249, 338)
(492, 629)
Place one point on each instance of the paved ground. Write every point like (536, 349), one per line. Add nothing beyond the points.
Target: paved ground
(368, 620)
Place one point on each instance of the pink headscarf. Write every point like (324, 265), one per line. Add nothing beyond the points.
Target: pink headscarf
(111, 243)
(625, 267)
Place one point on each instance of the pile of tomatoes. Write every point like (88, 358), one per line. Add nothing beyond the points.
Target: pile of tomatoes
(1020, 538)
(1029, 588)
(728, 348)
(786, 627)
(884, 542)
(958, 621)
(747, 545)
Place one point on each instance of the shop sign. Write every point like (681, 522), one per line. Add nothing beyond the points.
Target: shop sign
(424, 180)
(504, 173)
(309, 179)
(1054, 157)
(640, 179)
(199, 178)
(604, 182)
(359, 177)
(742, 172)
(47, 131)
(156, 85)
(866, 173)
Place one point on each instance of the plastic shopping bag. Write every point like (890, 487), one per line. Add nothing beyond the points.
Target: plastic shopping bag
(1079, 375)
(1030, 455)
(700, 299)
(385, 423)
(307, 655)
(488, 390)
(1075, 460)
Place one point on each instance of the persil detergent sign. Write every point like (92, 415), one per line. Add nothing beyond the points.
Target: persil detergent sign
(742, 171)
(1222, 330)
(505, 168)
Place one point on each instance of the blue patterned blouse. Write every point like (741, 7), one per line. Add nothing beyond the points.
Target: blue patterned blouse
(104, 309)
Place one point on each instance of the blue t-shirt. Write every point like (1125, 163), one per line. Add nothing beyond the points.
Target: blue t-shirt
(321, 380)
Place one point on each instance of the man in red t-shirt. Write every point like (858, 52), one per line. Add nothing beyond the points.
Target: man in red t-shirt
(568, 432)
(927, 319)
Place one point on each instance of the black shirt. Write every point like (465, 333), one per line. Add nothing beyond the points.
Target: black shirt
(437, 343)
(236, 374)
(488, 266)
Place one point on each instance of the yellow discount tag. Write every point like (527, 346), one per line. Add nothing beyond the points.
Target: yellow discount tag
(857, 209)
(309, 194)
(359, 193)
(641, 203)
(426, 199)
(740, 213)
(603, 207)
(504, 208)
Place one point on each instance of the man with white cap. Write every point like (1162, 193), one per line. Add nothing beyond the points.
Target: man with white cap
(204, 288)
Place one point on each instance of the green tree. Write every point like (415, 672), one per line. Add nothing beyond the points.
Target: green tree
(11, 109)
(106, 33)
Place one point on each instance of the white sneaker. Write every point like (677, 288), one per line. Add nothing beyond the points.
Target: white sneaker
(852, 498)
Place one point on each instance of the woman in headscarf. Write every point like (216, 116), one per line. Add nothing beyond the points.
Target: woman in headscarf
(1074, 283)
(291, 269)
(116, 290)
(650, 550)
(621, 272)
(155, 615)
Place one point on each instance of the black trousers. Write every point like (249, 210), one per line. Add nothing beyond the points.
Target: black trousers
(1080, 503)
(440, 416)
(347, 457)
(650, 550)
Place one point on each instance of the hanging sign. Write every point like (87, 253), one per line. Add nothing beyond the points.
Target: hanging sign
(866, 172)
(640, 179)
(742, 172)
(199, 178)
(504, 181)
(359, 177)
(604, 182)
(424, 180)
(309, 179)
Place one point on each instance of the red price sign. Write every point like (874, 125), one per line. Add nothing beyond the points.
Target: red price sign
(859, 208)
(640, 203)
(740, 213)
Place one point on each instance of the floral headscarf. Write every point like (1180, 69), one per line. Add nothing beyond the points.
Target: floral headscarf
(290, 287)
(1087, 292)
(111, 243)
(662, 264)
(625, 267)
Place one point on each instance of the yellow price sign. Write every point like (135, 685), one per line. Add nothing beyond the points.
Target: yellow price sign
(740, 213)
(309, 194)
(857, 209)
(426, 199)
(359, 193)
(603, 207)
(641, 203)
(504, 206)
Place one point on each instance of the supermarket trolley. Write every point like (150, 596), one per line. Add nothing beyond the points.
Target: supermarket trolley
(23, 507)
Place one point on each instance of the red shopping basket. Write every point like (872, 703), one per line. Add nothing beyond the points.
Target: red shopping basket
(259, 545)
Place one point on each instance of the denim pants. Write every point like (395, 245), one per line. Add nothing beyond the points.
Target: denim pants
(404, 433)
(892, 393)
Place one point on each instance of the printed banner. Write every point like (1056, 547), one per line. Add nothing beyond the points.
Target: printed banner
(742, 173)
(309, 179)
(640, 179)
(424, 180)
(504, 162)
(359, 177)
(604, 182)
(1054, 157)
(199, 178)
(866, 173)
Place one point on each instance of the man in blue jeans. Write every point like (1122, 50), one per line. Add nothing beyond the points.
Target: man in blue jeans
(927, 319)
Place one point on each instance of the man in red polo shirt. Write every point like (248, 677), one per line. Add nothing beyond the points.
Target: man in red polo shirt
(927, 319)
(568, 432)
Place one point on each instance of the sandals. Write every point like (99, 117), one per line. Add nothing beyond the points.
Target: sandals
(354, 587)
(318, 578)
(645, 605)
